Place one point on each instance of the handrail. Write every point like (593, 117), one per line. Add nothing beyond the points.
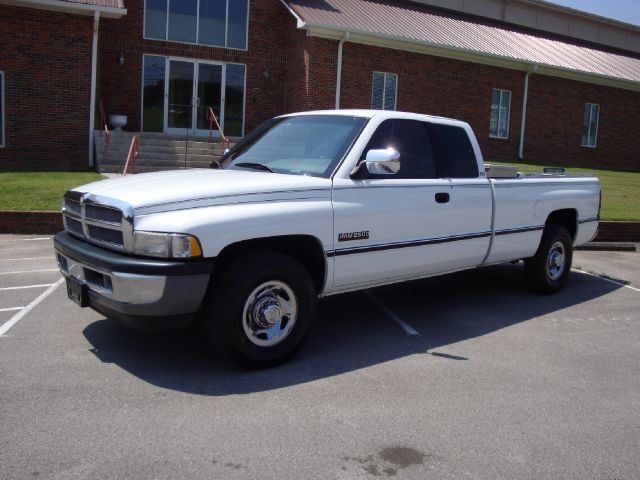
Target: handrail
(212, 118)
(105, 127)
(131, 157)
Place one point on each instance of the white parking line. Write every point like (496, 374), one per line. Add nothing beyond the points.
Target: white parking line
(26, 286)
(13, 240)
(407, 328)
(18, 316)
(30, 271)
(607, 279)
(25, 258)
(11, 309)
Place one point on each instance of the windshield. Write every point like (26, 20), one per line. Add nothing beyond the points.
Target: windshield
(303, 145)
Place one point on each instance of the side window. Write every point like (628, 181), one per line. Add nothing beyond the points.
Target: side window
(590, 125)
(411, 139)
(500, 111)
(1, 109)
(455, 155)
(383, 91)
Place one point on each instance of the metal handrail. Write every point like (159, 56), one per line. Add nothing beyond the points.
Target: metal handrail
(212, 118)
(131, 157)
(105, 127)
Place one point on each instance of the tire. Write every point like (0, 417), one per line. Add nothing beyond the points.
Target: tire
(547, 271)
(259, 308)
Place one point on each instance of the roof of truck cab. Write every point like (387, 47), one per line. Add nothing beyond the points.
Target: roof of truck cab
(380, 113)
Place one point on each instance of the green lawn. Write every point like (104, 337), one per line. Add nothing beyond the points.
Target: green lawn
(620, 190)
(39, 190)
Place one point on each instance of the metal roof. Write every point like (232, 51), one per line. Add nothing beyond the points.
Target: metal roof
(399, 23)
(107, 8)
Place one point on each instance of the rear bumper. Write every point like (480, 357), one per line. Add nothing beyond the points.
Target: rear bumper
(140, 292)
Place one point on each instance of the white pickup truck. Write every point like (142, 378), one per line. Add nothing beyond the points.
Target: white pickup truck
(309, 205)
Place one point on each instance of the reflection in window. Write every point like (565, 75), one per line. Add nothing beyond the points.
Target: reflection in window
(212, 29)
(207, 22)
(384, 88)
(500, 111)
(153, 94)
(590, 125)
(234, 100)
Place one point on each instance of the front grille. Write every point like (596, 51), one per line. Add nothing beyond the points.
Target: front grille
(103, 214)
(97, 219)
(105, 235)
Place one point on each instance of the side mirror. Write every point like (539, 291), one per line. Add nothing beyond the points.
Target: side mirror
(381, 162)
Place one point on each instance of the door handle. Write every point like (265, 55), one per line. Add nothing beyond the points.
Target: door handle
(442, 197)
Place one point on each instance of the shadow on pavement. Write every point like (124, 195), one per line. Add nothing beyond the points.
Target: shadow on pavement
(351, 331)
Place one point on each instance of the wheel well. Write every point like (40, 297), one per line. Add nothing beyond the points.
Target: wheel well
(567, 218)
(304, 248)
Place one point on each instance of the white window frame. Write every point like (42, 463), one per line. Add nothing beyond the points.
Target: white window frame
(502, 92)
(384, 86)
(226, 35)
(3, 142)
(595, 135)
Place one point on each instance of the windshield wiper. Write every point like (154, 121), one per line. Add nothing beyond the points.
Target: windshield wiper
(254, 166)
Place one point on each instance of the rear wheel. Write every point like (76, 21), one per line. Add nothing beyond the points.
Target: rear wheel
(547, 271)
(259, 308)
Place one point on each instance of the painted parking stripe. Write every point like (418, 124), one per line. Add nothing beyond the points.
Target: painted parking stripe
(25, 258)
(30, 271)
(11, 309)
(18, 316)
(13, 240)
(405, 326)
(42, 285)
(606, 279)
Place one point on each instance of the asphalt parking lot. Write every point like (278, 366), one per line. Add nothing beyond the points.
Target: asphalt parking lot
(458, 377)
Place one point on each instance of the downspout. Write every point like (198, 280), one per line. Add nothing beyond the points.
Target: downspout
(339, 72)
(92, 99)
(524, 111)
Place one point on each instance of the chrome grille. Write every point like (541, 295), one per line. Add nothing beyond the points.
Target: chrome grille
(104, 221)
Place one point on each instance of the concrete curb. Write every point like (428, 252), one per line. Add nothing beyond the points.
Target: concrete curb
(608, 247)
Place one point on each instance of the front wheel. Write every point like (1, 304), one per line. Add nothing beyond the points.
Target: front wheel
(547, 271)
(259, 308)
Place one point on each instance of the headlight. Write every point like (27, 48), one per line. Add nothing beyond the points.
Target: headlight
(166, 245)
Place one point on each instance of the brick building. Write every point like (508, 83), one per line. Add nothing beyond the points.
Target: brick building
(544, 83)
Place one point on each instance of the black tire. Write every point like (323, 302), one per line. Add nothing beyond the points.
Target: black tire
(235, 288)
(542, 272)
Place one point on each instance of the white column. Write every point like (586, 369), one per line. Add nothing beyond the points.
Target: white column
(92, 99)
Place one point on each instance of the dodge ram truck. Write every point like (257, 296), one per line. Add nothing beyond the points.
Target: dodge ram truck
(309, 205)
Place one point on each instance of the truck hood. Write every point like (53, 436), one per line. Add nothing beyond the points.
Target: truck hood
(175, 190)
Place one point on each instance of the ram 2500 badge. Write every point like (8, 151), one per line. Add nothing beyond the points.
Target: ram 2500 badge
(309, 205)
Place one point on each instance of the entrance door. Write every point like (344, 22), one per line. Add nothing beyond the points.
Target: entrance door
(192, 87)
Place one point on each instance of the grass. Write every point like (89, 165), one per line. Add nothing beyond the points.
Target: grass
(620, 190)
(39, 190)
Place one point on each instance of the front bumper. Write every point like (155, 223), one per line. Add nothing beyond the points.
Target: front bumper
(140, 292)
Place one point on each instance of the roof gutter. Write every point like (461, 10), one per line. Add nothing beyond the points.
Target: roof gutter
(339, 68)
(68, 7)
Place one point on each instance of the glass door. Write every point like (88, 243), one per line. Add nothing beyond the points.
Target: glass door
(208, 95)
(180, 98)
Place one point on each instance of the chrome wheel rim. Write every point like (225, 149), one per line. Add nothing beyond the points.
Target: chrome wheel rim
(556, 261)
(269, 313)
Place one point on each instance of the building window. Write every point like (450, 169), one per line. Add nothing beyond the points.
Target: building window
(500, 111)
(1, 109)
(385, 86)
(590, 125)
(219, 23)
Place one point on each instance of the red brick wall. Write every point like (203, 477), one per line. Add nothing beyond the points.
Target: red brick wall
(555, 114)
(462, 90)
(46, 59)
(120, 87)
